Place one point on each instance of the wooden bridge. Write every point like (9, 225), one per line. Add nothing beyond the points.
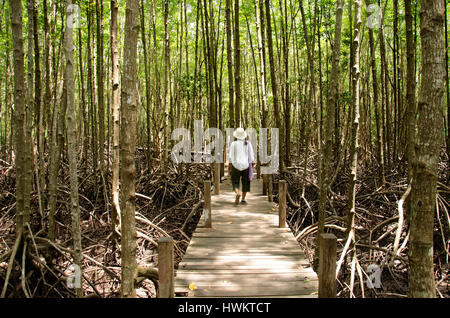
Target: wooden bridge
(245, 252)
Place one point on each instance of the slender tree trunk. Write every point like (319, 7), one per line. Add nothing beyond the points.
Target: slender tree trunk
(57, 142)
(166, 87)
(83, 100)
(410, 94)
(229, 63)
(354, 143)
(395, 87)
(329, 125)
(237, 66)
(72, 146)
(311, 93)
(259, 8)
(100, 94)
(427, 146)
(47, 92)
(128, 149)
(22, 215)
(39, 111)
(379, 136)
(147, 81)
(156, 143)
(385, 109)
(276, 103)
(29, 111)
(286, 95)
(116, 114)
(447, 88)
(93, 131)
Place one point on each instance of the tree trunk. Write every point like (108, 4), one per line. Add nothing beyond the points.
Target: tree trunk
(147, 80)
(100, 95)
(259, 8)
(229, 63)
(128, 150)
(22, 215)
(72, 147)
(329, 125)
(427, 146)
(29, 110)
(311, 93)
(410, 94)
(379, 136)
(39, 111)
(115, 217)
(237, 66)
(447, 89)
(165, 158)
(273, 78)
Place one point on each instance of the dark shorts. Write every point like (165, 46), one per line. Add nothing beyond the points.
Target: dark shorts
(238, 176)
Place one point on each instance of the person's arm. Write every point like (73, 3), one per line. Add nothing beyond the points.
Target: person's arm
(231, 156)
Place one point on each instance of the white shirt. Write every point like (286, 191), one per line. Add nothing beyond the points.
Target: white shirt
(240, 153)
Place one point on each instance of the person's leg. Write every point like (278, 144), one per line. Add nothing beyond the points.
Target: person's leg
(235, 176)
(235, 179)
(245, 184)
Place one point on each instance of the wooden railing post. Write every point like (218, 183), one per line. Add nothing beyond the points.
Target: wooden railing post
(264, 187)
(165, 267)
(207, 206)
(216, 178)
(327, 265)
(282, 189)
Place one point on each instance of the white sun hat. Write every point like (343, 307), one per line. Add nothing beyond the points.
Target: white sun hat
(240, 133)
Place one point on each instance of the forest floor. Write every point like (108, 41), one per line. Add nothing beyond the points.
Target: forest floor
(165, 204)
(376, 225)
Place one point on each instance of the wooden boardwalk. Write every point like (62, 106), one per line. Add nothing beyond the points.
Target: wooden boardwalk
(244, 254)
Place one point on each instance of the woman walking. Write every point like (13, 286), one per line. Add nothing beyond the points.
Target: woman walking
(241, 164)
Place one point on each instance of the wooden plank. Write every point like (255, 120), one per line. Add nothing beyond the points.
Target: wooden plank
(199, 253)
(243, 249)
(239, 246)
(185, 278)
(248, 291)
(245, 271)
(241, 228)
(249, 259)
(298, 285)
(209, 266)
(241, 234)
(233, 240)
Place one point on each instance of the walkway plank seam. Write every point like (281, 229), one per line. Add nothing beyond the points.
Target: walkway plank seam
(244, 254)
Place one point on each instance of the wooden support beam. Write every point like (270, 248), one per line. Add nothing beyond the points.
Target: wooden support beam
(165, 267)
(327, 265)
(207, 205)
(264, 185)
(282, 189)
(216, 178)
